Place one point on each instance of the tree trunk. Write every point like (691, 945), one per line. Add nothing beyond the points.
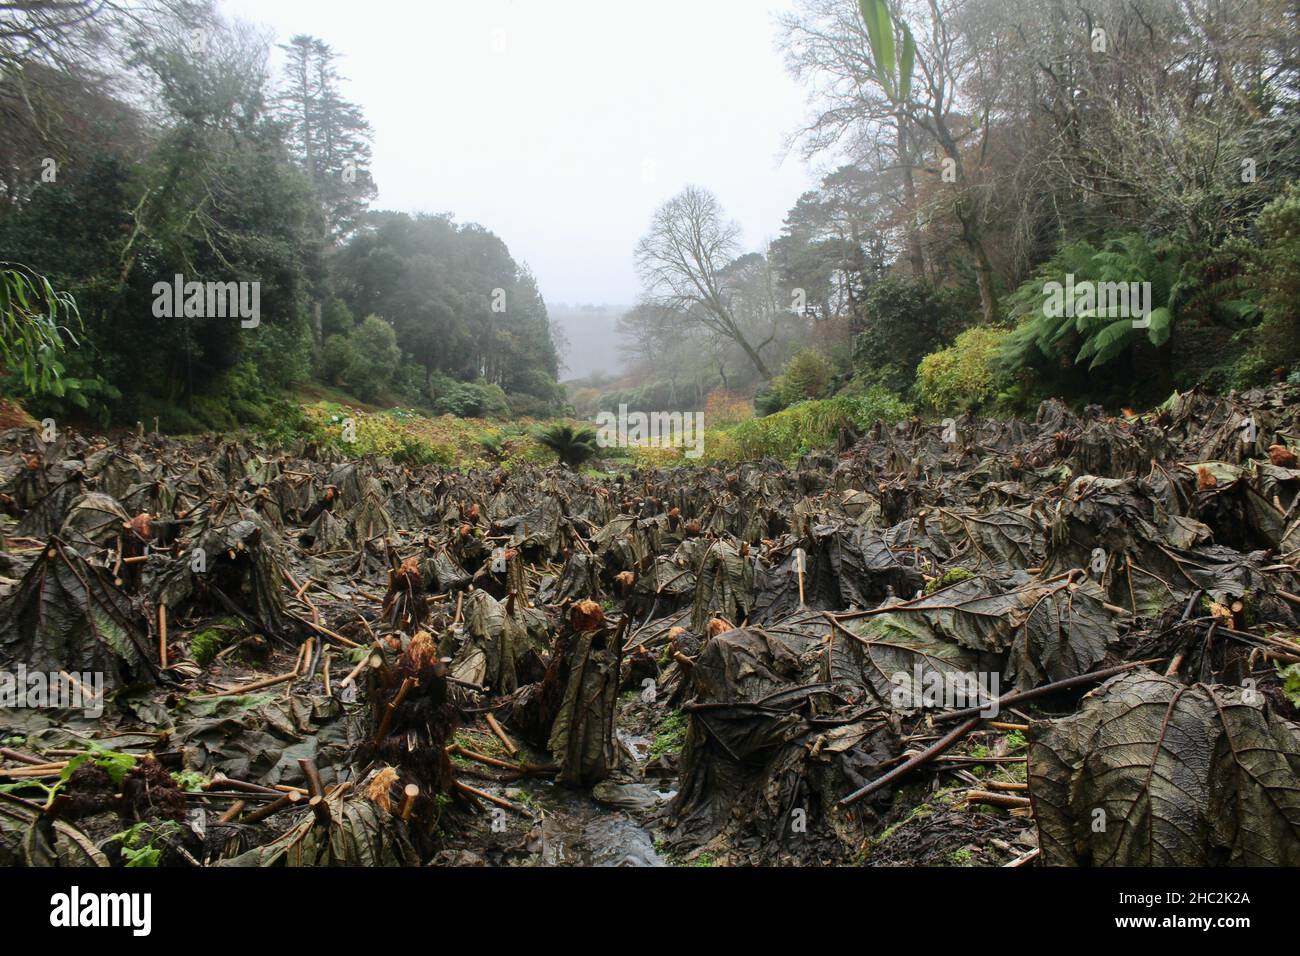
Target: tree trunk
(915, 252)
(755, 358)
(983, 268)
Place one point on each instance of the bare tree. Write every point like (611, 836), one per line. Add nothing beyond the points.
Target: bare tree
(949, 108)
(683, 262)
(65, 85)
(827, 47)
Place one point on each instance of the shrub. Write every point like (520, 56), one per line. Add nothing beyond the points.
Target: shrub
(364, 360)
(467, 399)
(172, 419)
(903, 319)
(768, 401)
(336, 318)
(812, 425)
(35, 329)
(964, 376)
(723, 409)
(523, 405)
(806, 376)
(1086, 337)
(282, 353)
(285, 423)
(1275, 343)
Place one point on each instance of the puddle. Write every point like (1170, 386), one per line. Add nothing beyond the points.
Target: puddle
(578, 831)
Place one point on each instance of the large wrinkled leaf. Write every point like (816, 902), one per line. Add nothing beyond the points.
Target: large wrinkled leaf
(1049, 630)
(94, 521)
(998, 539)
(1065, 634)
(896, 655)
(245, 561)
(262, 736)
(724, 586)
(47, 515)
(369, 521)
(1155, 773)
(363, 834)
(864, 568)
(498, 641)
(752, 756)
(29, 838)
(582, 735)
(66, 615)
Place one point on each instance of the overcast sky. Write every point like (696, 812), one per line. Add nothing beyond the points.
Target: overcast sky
(561, 124)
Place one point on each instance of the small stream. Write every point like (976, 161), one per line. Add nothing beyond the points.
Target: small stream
(601, 828)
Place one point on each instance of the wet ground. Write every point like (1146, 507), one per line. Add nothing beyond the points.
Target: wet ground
(616, 823)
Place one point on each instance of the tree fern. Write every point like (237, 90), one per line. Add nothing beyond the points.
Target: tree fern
(573, 445)
(1090, 336)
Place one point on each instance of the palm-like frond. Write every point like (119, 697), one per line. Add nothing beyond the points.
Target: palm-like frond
(1089, 335)
(573, 445)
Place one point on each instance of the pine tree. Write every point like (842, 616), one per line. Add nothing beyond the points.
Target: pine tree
(328, 135)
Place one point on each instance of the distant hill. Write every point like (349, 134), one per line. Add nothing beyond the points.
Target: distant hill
(593, 339)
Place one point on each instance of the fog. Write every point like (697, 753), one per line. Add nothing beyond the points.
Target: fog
(562, 126)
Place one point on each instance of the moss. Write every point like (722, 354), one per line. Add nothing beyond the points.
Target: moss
(979, 751)
(939, 801)
(671, 735)
(206, 644)
(948, 579)
(1249, 611)
(482, 743)
(962, 857)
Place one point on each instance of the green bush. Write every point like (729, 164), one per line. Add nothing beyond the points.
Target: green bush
(964, 376)
(35, 327)
(285, 424)
(172, 419)
(336, 318)
(812, 425)
(416, 452)
(364, 360)
(767, 400)
(904, 319)
(1081, 335)
(1198, 300)
(573, 445)
(384, 436)
(806, 377)
(467, 399)
(523, 405)
(538, 384)
(235, 399)
(282, 353)
(1275, 343)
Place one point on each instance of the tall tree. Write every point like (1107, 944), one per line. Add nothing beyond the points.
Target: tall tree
(683, 262)
(329, 135)
(923, 88)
